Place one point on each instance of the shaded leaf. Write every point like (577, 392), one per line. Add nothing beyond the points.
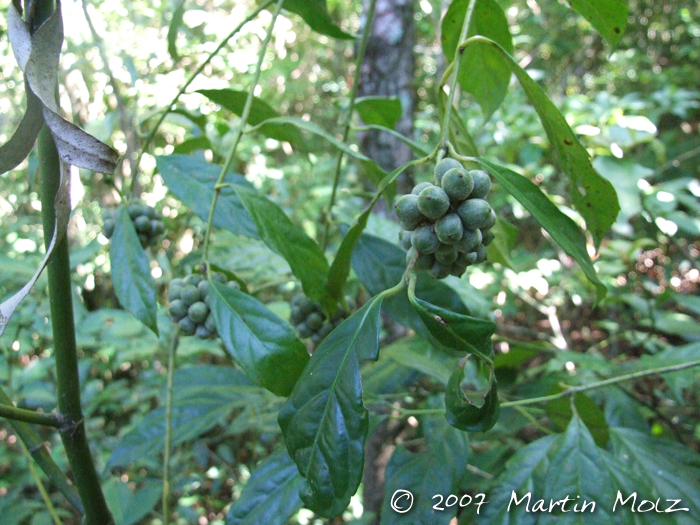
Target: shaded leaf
(446, 447)
(609, 17)
(324, 422)
(315, 13)
(562, 229)
(282, 236)
(482, 72)
(234, 100)
(271, 495)
(15, 150)
(382, 111)
(131, 271)
(264, 345)
(175, 23)
(462, 412)
(417, 353)
(559, 411)
(193, 144)
(128, 507)
(192, 181)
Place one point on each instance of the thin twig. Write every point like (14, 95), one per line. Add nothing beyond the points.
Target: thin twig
(168, 427)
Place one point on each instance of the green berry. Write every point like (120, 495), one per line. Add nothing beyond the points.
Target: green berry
(297, 315)
(458, 268)
(304, 331)
(203, 287)
(480, 254)
(410, 254)
(433, 202)
(425, 261)
(177, 309)
(449, 228)
(325, 330)
(203, 332)
(439, 270)
(488, 237)
(469, 241)
(424, 239)
(177, 282)
(134, 210)
(233, 284)
(492, 220)
(443, 167)
(446, 254)
(142, 224)
(144, 239)
(482, 184)
(198, 312)
(108, 229)
(307, 306)
(315, 321)
(469, 258)
(190, 294)
(420, 187)
(187, 326)
(475, 213)
(408, 212)
(219, 277)
(194, 279)
(210, 322)
(174, 292)
(157, 227)
(458, 184)
(405, 239)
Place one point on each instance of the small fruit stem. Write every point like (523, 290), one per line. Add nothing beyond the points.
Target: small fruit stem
(168, 426)
(457, 61)
(239, 132)
(348, 122)
(151, 135)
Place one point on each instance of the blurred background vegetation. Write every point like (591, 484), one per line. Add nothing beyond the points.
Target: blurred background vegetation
(636, 109)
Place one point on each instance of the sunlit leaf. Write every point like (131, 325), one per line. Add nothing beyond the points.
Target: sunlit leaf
(609, 17)
(315, 13)
(264, 345)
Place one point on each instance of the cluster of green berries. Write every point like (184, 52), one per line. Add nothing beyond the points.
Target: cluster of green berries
(448, 224)
(148, 222)
(309, 320)
(190, 304)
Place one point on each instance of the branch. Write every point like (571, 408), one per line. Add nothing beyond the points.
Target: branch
(30, 416)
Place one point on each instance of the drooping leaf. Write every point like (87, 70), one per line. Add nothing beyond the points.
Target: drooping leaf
(380, 264)
(131, 271)
(271, 495)
(458, 333)
(462, 412)
(234, 100)
(562, 229)
(192, 181)
(324, 422)
(282, 236)
(264, 345)
(382, 111)
(609, 17)
(129, 507)
(593, 196)
(204, 395)
(15, 150)
(482, 72)
(416, 473)
(315, 13)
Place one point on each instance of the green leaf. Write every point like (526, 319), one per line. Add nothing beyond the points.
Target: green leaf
(416, 473)
(562, 229)
(672, 469)
(382, 111)
(324, 422)
(464, 414)
(193, 144)
(416, 353)
(192, 181)
(264, 345)
(271, 495)
(131, 271)
(315, 13)
(458, 133)
(234, 100)
(482, 72)
(173, 28)
(15, 150)
(204, 395)
(593, 196)
(380, 264)
(282, 236)
(578, 469)
(559, 411)
(506, 237)
(458, 333)
(128, 507)
(609, 17)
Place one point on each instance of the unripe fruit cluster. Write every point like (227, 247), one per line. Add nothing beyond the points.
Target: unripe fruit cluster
(148, 222)
(309, 320)
(190, 304)
(448, 224)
